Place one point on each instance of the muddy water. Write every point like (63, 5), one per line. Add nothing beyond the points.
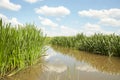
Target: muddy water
(66, 64)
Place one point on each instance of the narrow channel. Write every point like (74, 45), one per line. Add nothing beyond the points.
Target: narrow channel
(67, 64)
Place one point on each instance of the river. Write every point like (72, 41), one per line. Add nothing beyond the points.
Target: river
(67, 64)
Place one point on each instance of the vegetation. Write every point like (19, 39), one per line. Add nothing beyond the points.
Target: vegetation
(98, 43)
(19, 47)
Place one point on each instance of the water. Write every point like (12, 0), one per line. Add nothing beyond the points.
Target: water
(66, 64)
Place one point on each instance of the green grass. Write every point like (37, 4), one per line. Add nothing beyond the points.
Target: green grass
(98, 43)
(19, 47)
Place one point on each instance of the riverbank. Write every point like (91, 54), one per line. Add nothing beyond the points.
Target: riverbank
(98, 43)
(20, 47)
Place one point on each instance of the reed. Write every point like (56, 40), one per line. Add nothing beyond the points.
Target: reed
(20, 47)
(98, 43)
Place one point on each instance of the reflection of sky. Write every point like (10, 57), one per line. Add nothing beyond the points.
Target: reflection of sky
(86, 68)
(53, 56)
(56, 68)
(59, 63)
(55, 63)
(64, 67)
(50, 53)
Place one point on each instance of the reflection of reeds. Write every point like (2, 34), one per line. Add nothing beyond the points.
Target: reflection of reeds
(98, 43)
(30, 73)
(19, 47)
(101, 63)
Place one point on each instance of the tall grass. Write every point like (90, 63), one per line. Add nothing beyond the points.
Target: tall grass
(98, 43)
(19, 47)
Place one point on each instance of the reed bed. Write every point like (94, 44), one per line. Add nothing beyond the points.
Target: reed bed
(98, 43)
(20, 47)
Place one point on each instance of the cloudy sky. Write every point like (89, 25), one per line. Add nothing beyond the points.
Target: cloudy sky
(64, 17)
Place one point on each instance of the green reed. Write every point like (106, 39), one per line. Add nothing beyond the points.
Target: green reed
(97, 43)
(20, 46)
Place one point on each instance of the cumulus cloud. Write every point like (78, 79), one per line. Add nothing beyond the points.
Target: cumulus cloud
(113, 13)
(3, 17)
(118, 32)
(67, 31)
(53, 11)
(62, 30)
(108, 17)
(32, 1)
(13, 20)
(47, 22)
(110, 22)
(9, 5)
(91, 29)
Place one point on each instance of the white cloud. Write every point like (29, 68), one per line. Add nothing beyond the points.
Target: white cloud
(13, 20)
(88, 29)
(9, 5)
(113, 13)
(52, 33)
(62, 31)
(53, 11)
(118, 32)
(47, 22)
(4, 18)
(110, 17)
(67, 31)
(92, 27)
(110, 22)
(93, 13)
(32, 1)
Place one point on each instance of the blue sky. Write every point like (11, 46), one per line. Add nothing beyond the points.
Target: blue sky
(64, 17)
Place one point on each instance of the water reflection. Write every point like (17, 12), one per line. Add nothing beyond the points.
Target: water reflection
(56, 67)
(86, 68)
(66, 64)
(98, 62)
(30, 73)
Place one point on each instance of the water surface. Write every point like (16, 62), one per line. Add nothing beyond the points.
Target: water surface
(67, 64)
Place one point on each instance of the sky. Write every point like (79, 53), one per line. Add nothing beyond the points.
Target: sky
(64, 17)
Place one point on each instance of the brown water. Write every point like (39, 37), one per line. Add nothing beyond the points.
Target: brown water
(66, 64)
